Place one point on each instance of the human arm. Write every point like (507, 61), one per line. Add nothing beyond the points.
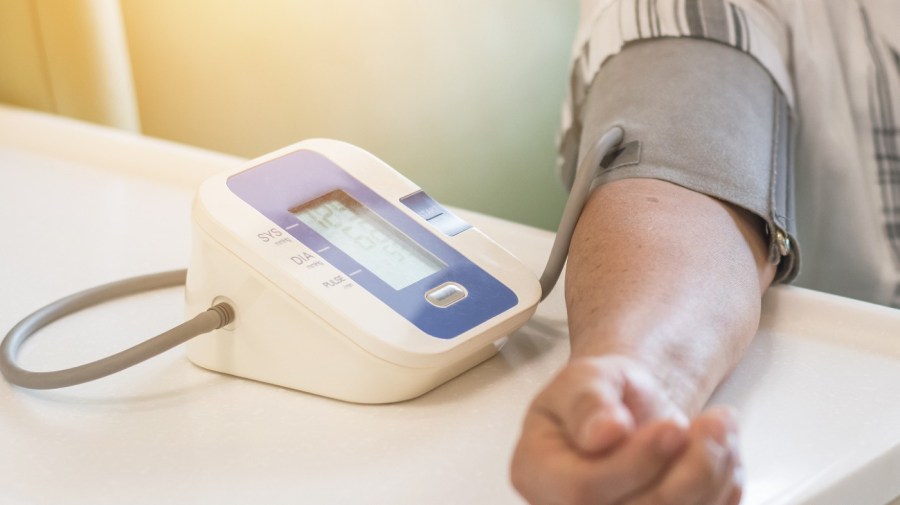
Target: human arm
(663, 287)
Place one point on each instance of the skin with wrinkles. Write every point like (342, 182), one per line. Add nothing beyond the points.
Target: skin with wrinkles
(663, 289)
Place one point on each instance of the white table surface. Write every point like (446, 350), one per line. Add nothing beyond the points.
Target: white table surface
(819, 390)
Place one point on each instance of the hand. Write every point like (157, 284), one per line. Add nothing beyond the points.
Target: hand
(605, 431)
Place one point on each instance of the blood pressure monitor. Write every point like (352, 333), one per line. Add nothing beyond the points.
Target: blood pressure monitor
(320, 268)
(347, 279)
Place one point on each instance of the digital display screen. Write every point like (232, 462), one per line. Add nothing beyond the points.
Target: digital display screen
(368, 239)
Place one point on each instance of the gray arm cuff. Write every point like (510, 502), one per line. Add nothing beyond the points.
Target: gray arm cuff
(704, 116)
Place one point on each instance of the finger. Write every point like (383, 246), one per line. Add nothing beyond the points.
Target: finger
(587, 402)
(732, 495)
(644, 399)
(598, 420)
(705, 471)
(736, 494)
(636, 464)
(546, 470)
(733, 492)
(543, 462)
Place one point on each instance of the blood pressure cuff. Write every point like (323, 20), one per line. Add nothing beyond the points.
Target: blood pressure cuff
(704, 116)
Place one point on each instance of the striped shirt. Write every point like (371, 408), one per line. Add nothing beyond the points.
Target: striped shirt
(838, 65)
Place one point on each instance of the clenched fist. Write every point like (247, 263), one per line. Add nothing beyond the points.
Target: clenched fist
(605, 432)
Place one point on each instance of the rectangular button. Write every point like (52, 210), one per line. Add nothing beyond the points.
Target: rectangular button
(423, 205)
(449, 224)
(436, 215)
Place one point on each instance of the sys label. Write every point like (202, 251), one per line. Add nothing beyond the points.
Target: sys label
(273, 235)
(269, 235)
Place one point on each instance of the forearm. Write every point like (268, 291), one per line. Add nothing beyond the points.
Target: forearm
(670, 277)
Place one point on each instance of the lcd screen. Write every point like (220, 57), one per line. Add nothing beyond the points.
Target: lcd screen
(368, 239)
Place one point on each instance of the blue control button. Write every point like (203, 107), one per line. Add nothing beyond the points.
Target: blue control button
(436, 215)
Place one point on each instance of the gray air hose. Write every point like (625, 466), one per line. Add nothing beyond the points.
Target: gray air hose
(581, 189)
(216, 317)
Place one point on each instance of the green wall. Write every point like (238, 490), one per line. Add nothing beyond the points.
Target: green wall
(463, 97)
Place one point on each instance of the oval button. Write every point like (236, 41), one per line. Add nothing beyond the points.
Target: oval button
(446, 294)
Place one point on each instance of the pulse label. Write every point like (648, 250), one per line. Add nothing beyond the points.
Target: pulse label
(337, 280)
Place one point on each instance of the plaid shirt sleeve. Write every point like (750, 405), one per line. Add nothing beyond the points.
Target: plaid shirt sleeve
(607, 26)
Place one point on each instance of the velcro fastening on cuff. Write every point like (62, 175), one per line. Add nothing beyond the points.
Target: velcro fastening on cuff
(782, 221)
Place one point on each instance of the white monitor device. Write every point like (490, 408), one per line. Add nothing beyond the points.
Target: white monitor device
(347, 279)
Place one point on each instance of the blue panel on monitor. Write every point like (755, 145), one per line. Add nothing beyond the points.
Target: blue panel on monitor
(277, 186)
